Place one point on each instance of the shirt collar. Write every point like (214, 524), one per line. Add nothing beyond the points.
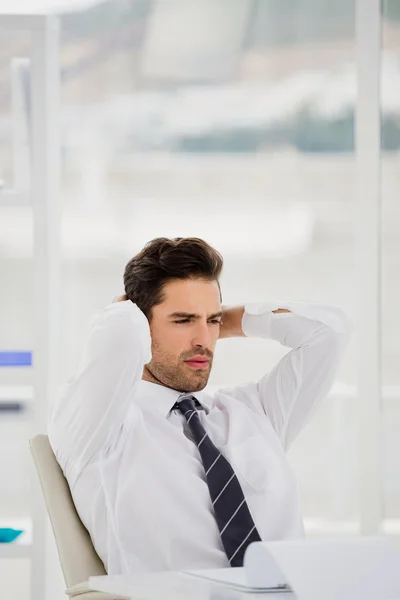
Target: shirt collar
(159, 398)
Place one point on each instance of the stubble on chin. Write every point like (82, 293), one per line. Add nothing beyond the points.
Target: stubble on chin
(176, 379)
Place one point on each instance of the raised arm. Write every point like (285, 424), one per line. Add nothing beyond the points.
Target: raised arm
(96, 400)
(317, 334)
(291, 391)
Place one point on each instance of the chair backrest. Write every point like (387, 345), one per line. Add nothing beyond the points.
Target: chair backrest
(78, 558)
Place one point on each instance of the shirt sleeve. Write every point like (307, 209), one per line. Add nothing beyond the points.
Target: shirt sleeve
(96, 400)
(317, 334)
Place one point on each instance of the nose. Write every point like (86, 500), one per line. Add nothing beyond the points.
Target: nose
(201, 335)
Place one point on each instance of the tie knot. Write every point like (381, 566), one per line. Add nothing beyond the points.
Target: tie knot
(186, 403)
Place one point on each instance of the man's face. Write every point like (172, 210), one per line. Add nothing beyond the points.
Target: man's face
(183, 328)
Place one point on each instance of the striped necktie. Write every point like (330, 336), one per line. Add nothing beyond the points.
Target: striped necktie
(235, 523)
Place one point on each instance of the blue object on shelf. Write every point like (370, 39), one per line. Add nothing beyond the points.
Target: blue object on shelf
(15, 359)
(8, 535)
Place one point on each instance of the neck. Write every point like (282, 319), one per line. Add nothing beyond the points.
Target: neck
(148, 376)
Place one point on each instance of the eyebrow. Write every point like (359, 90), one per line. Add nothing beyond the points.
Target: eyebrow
(184, 315)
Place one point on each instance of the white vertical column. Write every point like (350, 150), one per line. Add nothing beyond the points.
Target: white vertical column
(368, 262)
(20, 72)
(45, 204)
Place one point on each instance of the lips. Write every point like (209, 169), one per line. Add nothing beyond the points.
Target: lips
(198, 362)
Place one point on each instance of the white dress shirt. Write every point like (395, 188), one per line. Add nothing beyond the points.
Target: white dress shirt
(135, 476)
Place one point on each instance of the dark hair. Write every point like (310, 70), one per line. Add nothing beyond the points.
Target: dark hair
(163, 260)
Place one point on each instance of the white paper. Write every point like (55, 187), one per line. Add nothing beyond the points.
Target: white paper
(234, 578)
(345, 569)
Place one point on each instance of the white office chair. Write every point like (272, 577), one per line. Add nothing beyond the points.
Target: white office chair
(78, 558)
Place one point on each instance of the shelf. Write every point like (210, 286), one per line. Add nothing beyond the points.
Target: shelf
(15, 550)
(14, 398)
(19, 395)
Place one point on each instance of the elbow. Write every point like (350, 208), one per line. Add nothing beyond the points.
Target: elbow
(337, 339)
(334, 334)
(340, 323)
(346, 324)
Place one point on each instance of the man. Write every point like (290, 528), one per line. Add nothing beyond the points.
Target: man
(165, 476)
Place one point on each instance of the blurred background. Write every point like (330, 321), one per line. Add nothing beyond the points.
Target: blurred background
(232, 121)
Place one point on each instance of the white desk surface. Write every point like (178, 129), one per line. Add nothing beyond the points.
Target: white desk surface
(175, 586)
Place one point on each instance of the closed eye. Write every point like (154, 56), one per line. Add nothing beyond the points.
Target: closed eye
(183, 321)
